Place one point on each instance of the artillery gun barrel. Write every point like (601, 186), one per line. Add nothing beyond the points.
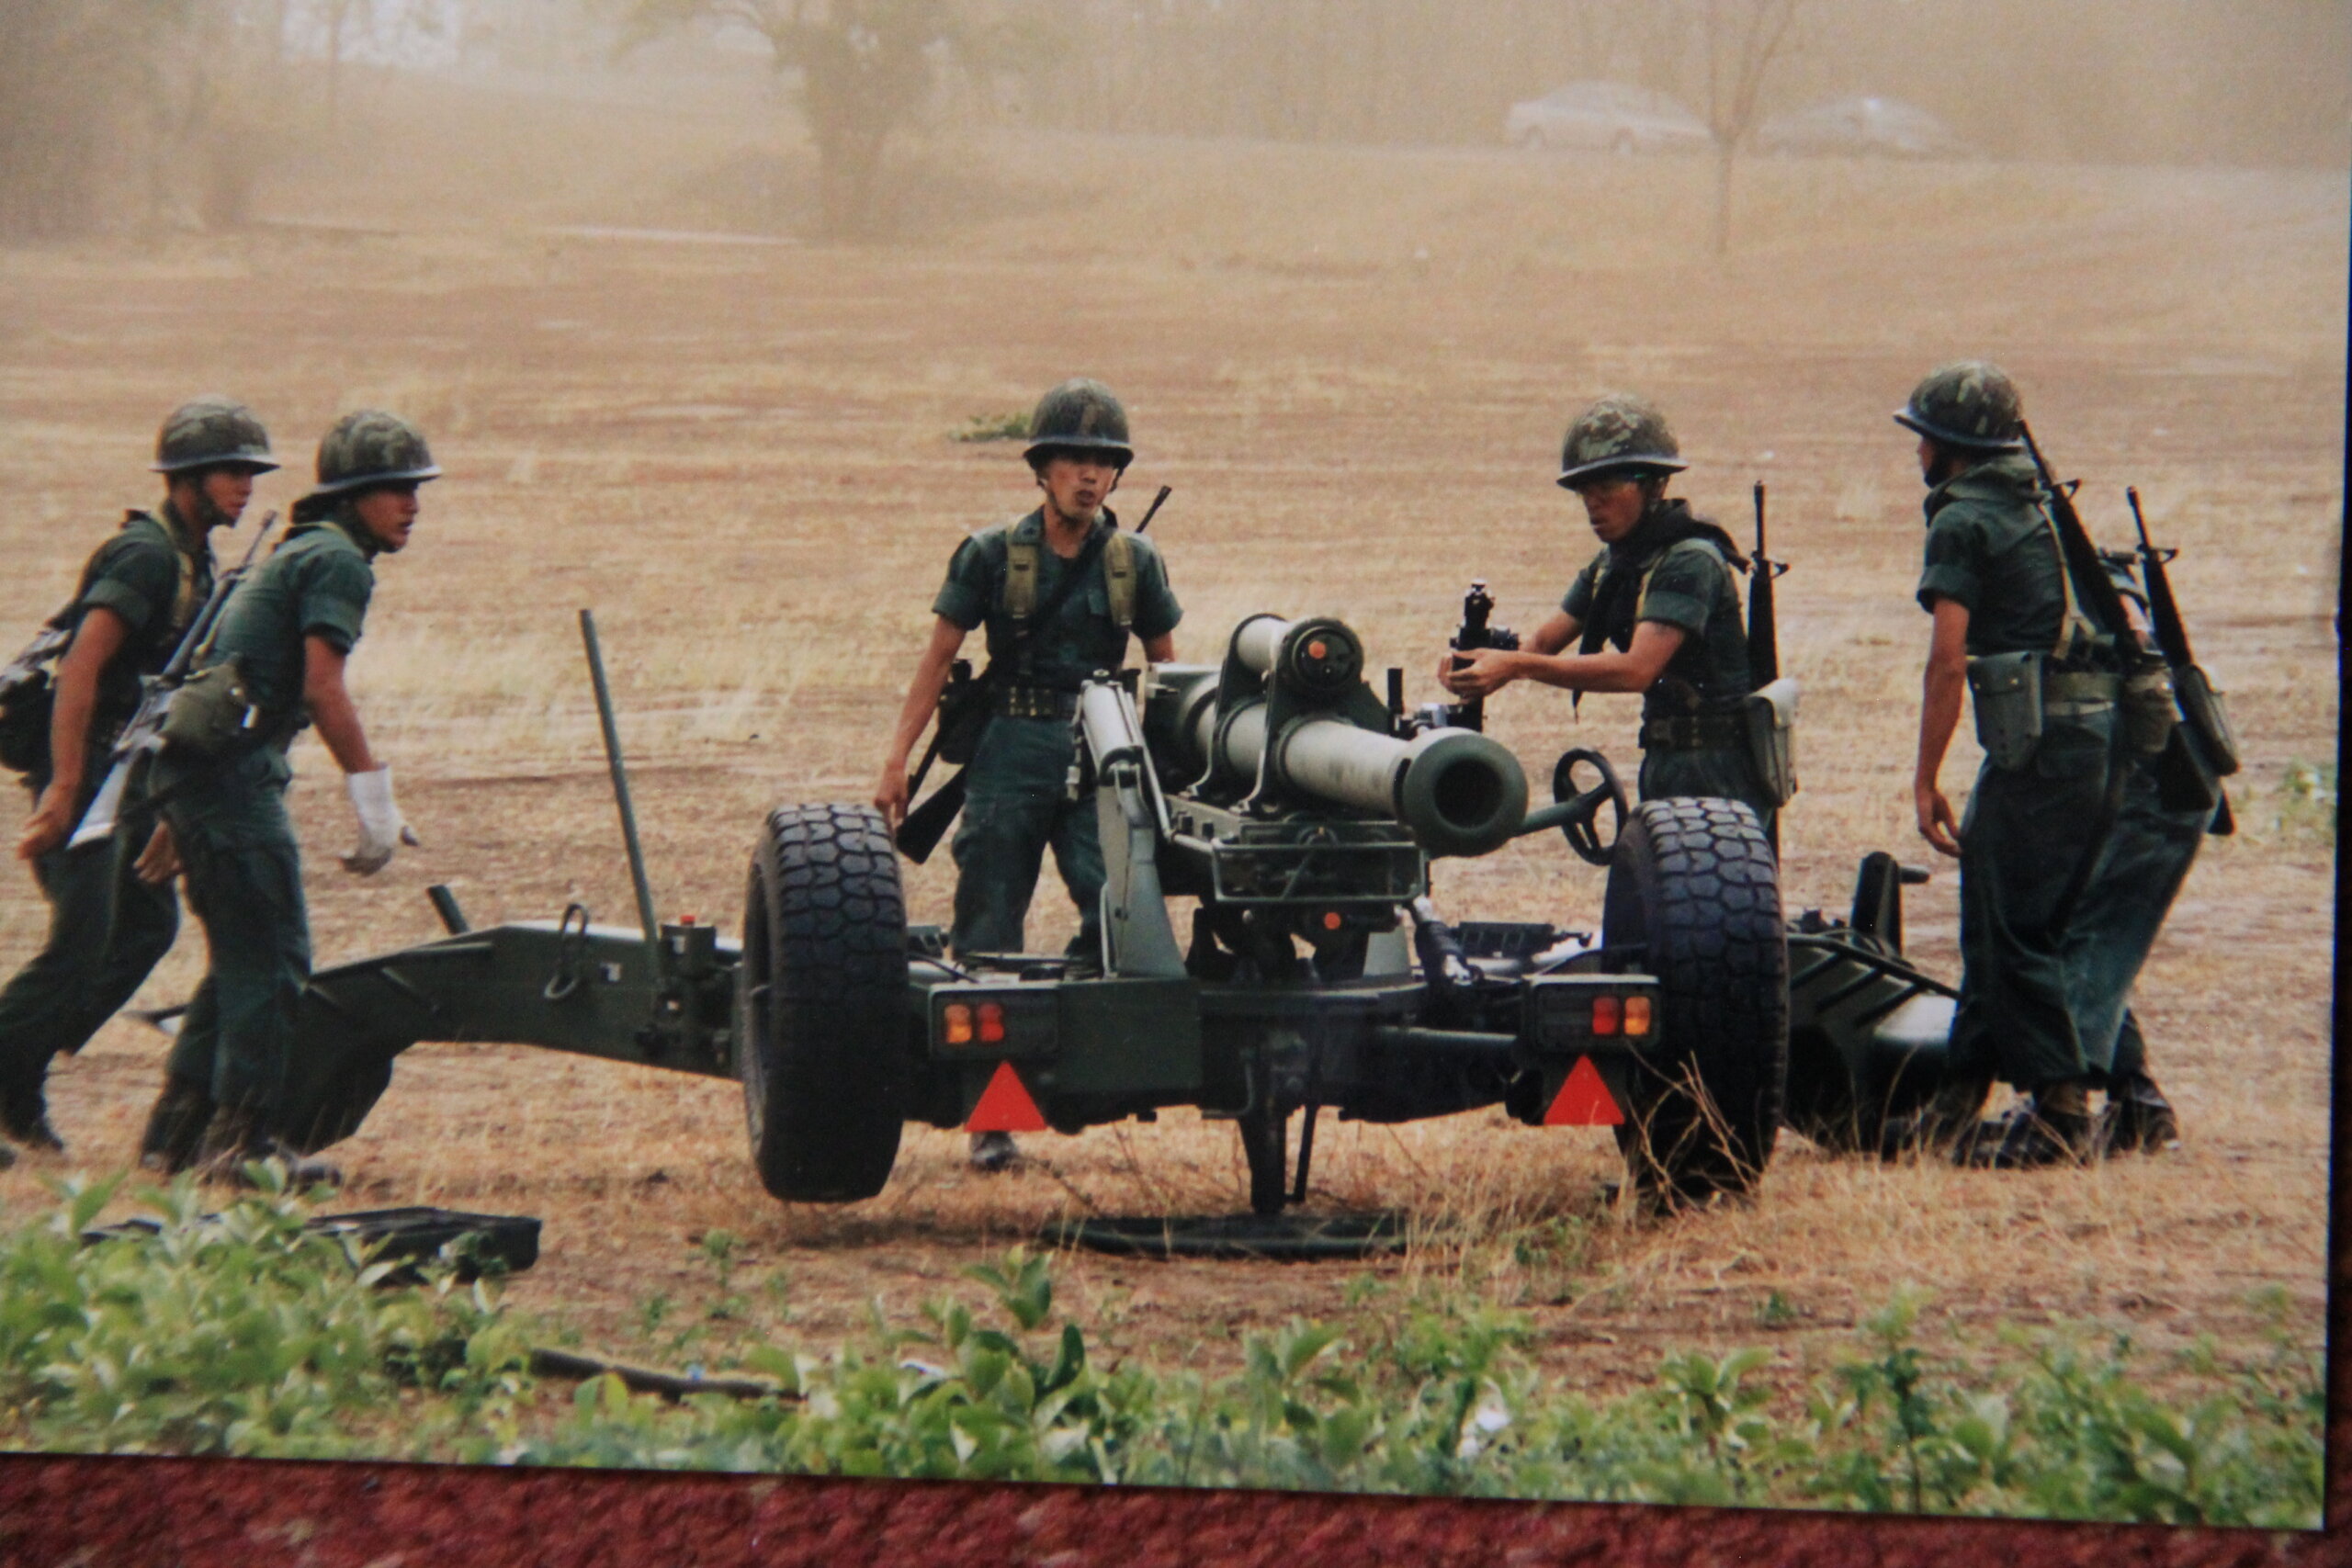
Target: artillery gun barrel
(1459, 792)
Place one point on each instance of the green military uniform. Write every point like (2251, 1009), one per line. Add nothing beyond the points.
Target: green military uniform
(1018, 778)
(1676, 568)
(108, 929)
(2141, 864)
(230, 820)
(2023, 836)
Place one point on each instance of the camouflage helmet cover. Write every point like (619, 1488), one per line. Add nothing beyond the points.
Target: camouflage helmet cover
(213, 431)
(1970, 404)
(1079, 415)
(1618, 433)
(372, 447)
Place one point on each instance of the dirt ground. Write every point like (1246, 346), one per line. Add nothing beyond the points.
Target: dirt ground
(1353, 367)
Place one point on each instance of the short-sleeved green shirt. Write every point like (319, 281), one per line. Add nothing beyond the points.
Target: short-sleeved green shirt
(1687, 586)
(1083, 638)
(316, 584)
(1991, 550)
(153, 576)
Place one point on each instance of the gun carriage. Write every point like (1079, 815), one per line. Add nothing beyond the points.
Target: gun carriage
(1301, 813)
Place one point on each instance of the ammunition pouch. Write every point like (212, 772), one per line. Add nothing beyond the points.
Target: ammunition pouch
(2005, 691)
(2184, 783)
(1770, 716)
(2208, 719)
(963, 713)
(210, 714)
(2149, 712)
(1696, 732)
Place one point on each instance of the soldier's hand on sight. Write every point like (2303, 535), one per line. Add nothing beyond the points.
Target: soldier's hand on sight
(1935, 822)
(382, 828)
(160, 861)
(48, 826)
(890, 795)
(1487, 671)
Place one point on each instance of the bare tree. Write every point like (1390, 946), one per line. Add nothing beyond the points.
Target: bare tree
(1739, 40)
(865, 67)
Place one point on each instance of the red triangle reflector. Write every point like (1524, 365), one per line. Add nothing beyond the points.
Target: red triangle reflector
(1005, 1106)
(1584, 1100)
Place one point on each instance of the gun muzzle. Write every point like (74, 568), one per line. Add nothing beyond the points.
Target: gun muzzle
(1457, 792)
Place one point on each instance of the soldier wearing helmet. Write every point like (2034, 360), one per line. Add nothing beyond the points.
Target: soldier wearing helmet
(288, 629)
(1006, 579)
(1656, 612)
(112, 911)
(2009, 626)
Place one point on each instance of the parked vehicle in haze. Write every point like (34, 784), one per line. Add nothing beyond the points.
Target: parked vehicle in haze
(1859, 126)
(1613, 116)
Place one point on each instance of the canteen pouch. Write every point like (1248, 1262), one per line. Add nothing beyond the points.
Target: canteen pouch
(1771, 716)
(963, 713)
(209, 713)
(2208, 717)
(2149, 712)
(2005, 689)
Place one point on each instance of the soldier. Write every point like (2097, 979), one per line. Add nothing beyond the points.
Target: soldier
(2008, 625)
(288, 630)
(1660, 595)
(113, 913)
(1002, 577)
(2141, 864)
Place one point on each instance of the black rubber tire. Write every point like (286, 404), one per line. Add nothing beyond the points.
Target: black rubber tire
(1695, 882)
(820, 1004)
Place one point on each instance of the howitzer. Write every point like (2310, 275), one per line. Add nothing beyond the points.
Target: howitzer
(143, 736)
(1298, 815)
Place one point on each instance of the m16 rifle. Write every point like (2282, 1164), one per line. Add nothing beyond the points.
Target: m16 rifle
(144, 737)
(2205, 719)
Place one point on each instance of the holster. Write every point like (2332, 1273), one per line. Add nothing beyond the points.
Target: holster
(2005, 691)
(210, 713)
(1772, 717)
(963, 713)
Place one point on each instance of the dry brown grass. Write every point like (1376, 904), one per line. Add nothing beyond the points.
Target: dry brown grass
(740, 459)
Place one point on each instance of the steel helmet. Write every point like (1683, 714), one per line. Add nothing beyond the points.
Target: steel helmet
(1970, 404)
(372, 447)
(1619, 433)
(1078, 416)
(213, 431)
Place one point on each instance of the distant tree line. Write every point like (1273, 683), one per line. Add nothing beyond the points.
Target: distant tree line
(114, 111)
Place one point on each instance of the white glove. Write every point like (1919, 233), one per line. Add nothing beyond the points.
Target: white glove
(382, 828)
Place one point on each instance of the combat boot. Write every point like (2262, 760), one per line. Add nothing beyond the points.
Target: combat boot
(236, 1137)
(175, 1127)
(24, 1117)
(2052, 1126)
(2137, 1119)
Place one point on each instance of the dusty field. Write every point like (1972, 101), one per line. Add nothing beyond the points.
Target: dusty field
(1354, 368)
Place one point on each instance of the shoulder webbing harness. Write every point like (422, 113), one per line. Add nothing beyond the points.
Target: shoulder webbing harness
(2076, 635)
(1021, 562)
(1618, 594)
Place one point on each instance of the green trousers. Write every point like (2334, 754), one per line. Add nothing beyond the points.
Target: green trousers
(2022, 844)
(1723, 771)
(245, 881)
(1017, 804)
(2141, 866)
(107, 930)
